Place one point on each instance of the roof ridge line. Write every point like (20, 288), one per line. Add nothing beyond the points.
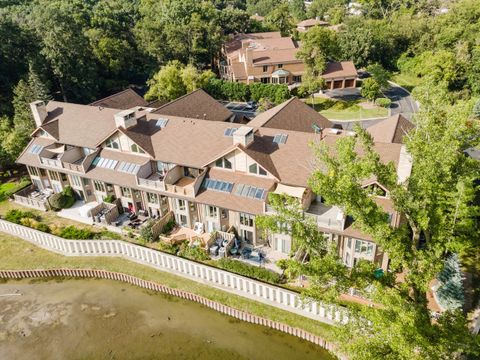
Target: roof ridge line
(109, 96)
(179, 98)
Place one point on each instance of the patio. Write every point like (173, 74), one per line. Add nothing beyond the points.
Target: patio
(80, 211)
(262, 256)
(33, 198)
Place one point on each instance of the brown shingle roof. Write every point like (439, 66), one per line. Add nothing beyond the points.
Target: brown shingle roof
(142, 134)
(275, 56)
(391, 130)
(340, 69)
(312, 22)
(122, 100)
(80, 125)
(196, 105)
(236, 43)
(51, 128)
(293, 115)
(232, 201)
(194, 142)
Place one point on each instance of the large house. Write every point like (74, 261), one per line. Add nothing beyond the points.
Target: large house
(270, 58)
(212, 172)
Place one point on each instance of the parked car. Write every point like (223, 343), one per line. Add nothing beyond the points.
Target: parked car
(362, 74)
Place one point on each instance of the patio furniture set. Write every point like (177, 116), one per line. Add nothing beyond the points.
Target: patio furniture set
(41, 194)
(135, 221)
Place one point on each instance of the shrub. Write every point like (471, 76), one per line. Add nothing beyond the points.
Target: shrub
(194, 253)
(63, 200)
(43, 227)
(169, 226)
(168, 248)
(57, 201)
(249, 270)
(108, 235)
(146, 231)
(109, 199)
(15, 216)
(32, 223)
(70, 197)
(71, 232)
(383, 102)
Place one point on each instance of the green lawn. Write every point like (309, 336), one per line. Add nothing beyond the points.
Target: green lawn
(344, 110)
(407, 81)
(8, 188)
(19, 254)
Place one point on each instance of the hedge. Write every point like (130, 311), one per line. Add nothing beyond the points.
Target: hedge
(251, 271)
(236, 91)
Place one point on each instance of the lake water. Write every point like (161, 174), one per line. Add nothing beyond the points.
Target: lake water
(101, 319)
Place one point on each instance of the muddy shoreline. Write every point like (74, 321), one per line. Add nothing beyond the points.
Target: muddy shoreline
(102, 319)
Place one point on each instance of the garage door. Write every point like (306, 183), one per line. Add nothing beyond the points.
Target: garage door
(337, 84)
(349, 83)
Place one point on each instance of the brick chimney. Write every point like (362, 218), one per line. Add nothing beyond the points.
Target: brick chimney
(39, 111)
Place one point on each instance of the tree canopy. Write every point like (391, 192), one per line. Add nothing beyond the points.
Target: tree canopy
(441, 218)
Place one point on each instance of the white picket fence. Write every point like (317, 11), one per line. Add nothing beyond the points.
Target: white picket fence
(221, 279)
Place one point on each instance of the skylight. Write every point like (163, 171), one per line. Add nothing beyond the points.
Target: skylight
(251, 192)
(104, 163)
(35, 149)
(280, 138)
(218, 185)
(229, 131)
(128, 168)
(161, 123)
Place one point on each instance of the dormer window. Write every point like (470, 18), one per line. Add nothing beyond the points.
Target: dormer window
(257, 170)
(113, 143)
(223, 163)
(136, 149)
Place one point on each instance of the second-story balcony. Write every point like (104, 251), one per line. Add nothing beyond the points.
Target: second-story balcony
(51, 156)
(67, 157)
(184, 181)
(330, 217)
(153, 181)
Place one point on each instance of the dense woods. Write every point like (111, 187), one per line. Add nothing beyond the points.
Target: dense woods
(81, 50)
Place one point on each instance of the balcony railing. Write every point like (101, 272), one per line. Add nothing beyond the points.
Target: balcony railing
(51, 162)
(152, 183)
(326, 216)
(73, 167)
